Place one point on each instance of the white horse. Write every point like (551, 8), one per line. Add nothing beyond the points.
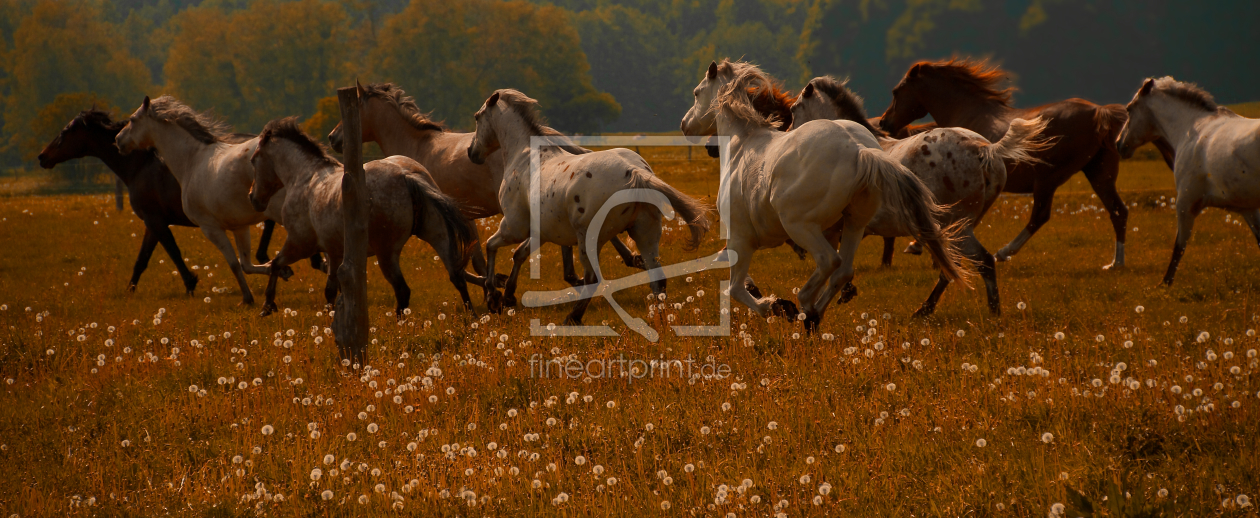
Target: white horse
(963, 170)
(573, 189)
(214, 176)
(817, 185)
(405, 202)
(1216, 153)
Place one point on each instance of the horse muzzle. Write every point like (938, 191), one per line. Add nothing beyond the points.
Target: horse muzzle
(259, 205)
(475, 157)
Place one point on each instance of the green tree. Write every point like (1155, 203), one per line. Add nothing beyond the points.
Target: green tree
(64, 47)
(451, 55)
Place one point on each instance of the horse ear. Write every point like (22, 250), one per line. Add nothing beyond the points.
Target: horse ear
(915, 70)
(1147, 86)
(145, 106)
(493, 100)
(359, 87)
(713, 69)
(809, 90)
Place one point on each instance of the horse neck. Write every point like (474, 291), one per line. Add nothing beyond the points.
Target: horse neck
(397, 137)
(513, 134)
(125, 167)
(954, 107)
(296, 170)
(177, 148)
(1175, 120)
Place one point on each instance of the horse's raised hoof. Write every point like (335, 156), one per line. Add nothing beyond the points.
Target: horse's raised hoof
(914, 249)
(1002, 256)
(500, 280)
(284, 272)
(811, 323)
(637, 262)
(784, 308)
(131, 288)
(268, 309)
(847, 292)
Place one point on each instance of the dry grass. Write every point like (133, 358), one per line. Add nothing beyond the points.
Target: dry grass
(889, 424)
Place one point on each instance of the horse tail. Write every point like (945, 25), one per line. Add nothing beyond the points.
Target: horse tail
(913, 206)
(690, 209)
(1022, 139)
(462, 234)
(1109, 119)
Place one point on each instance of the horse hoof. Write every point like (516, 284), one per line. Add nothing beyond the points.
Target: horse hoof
(285, 272)
(913, 250)
(267, 310)
(784, 308)
(1002, 256)
(924, 312)
(1113, 266)
(131, 288)
(811, 323)
(572, 321)
(753, 290)
(509, 301)
(637, 262)
(494, 302)
(847, 292)
(246, 302)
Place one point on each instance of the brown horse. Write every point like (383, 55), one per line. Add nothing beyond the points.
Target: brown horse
(152, 190)
(965, 94)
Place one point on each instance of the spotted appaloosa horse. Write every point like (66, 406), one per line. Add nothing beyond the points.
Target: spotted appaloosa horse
(966, 94)
(153, 192)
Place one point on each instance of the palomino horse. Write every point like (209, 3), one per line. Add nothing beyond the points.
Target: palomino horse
(963, 170)
(405, 203)
(818, 185)
(1216, 153)
(394, 122)
(213, 173)
(152, 190)
(574, 188)
(964, 94)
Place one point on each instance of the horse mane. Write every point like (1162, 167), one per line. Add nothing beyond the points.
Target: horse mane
(849, 105)
(737, 100)
(100, 118)
(405, 104)
(1189, 93)
(774, 101)
(288, 129)
(201, 125)
(979, 76)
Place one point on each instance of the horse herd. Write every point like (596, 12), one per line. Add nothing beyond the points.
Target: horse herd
(810, 170)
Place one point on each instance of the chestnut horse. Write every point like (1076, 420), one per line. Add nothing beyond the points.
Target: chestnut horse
(152, 190)
(965, 94)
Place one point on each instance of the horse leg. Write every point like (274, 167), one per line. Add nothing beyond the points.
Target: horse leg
(740, 280)
(1186, 212)
(142, 261)
(289, 252)
(631, 259)
(478, 260)
(390, 268)
(646, 233)
(332, 286)
(494, 301)
(566, 260)
(914, 248)
(167, 239)
(1253, 220)
(574, 318)
(816, 294)
(264, 241)
(1043, 205)
(219, 238)
(317, 262)
(1101, 173)
(519, 257)
(886, 260)
(242, 245)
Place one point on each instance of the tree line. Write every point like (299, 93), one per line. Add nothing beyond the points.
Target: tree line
(595, 65)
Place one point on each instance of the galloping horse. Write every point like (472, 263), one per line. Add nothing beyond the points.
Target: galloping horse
(153, 192)
(1215, 152)
(214, 174)
(405, 202)
(964, 94)
(574, 189)
(817, 185)
(393, 121)
(963, 170)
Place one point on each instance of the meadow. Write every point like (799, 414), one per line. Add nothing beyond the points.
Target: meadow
(1094, 390)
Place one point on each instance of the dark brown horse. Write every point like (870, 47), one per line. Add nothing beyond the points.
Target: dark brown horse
(966, 94)
(152, 190)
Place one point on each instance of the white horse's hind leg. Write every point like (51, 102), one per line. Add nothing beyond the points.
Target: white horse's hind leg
(242, 253)
(739, 290)
(219, 238)
(646, 233)
(830, 273)
(1187, 210)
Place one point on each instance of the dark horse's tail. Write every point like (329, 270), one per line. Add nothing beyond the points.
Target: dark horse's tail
(459, 228)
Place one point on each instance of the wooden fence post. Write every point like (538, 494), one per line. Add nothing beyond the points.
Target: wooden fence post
(350, 322)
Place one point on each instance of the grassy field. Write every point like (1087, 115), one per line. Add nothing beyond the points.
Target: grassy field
(1094, 389)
